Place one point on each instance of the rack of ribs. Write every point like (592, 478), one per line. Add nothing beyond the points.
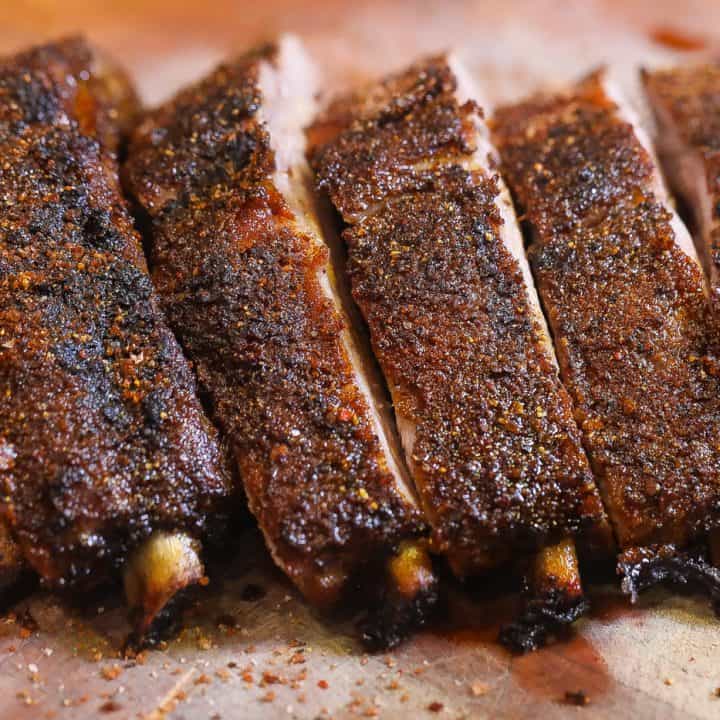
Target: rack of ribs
(107, 464)
(246, 281)
(686, 103)
(436, 265)
(628, 308)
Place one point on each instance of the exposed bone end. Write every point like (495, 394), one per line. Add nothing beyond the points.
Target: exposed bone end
(410, 570)
(406, 601)
(162, 566)
(556, 567)
(556, 599)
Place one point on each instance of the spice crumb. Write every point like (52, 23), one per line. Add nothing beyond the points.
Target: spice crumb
(577, 697)
(111, 672)
(270, 678)
(110, 706)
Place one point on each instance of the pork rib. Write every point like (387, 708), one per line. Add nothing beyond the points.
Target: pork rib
(437, 267)
(628, 308)
(246, 282)
(104, 448)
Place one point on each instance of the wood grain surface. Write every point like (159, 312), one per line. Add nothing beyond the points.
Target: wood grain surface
(251, 648)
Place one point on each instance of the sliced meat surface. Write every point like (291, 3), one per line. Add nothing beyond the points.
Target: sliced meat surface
(436, 265)
(686, 104)
(103, 441)
(628, 309)
(246, 283)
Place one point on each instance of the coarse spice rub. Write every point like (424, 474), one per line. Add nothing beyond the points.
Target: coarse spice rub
(102, 440)
(243, 277)
(686, 102)
(487, 428)
(629, 313)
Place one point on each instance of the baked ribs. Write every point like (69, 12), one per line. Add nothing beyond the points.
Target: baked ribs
(246, 283)
(107, 463)
(686, 103)
(437, 267)
(628, 308)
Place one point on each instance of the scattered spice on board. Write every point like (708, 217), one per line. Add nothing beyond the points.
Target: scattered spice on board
(577, 697)
(110, 706)
(111, 672)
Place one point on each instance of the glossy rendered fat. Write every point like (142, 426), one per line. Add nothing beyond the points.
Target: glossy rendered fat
(102, 440)
(245, 281)
(627, 306)
(437, 267)
(686, 103)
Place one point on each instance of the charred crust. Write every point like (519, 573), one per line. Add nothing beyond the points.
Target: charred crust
(542, 618)
(641, 568)
(166, 624)
(390, 139)
(68, 80)
(394, 618)
(208, 136)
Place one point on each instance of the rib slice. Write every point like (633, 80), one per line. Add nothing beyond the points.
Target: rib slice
(628, 308)
(246, 283)
(436, 265)
(686, 103)
(103, 443)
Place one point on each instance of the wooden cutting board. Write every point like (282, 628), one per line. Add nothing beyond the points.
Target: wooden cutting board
(251, 648)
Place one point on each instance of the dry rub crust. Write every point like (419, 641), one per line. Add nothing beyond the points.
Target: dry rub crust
(102, 440)
(389, 139)
(496, 452)
(691, 97)
(627, 309)
(66, 80)
(239, 282)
